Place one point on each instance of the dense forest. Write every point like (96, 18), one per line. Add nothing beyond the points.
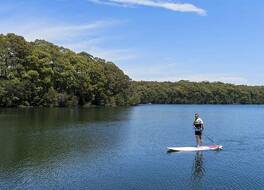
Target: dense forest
(185, 92)
(42, 74)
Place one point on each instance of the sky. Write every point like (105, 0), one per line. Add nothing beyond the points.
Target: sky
(158, 40)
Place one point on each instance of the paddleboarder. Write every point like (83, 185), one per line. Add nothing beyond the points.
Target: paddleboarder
(198, 127)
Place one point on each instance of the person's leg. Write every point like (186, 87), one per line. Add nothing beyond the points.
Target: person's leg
(197, 140)
(201, 141)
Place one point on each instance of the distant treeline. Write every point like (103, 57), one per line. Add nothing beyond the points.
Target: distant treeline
(42, 74)
(185, 92)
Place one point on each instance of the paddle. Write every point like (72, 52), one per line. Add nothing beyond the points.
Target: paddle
(210, 139)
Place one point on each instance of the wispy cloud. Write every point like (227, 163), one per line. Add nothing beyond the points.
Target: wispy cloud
(32, 30)
(165, 4)
(174, 72)
(94, 47)
(89, 37)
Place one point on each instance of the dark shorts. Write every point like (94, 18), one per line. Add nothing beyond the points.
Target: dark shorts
(199, 133)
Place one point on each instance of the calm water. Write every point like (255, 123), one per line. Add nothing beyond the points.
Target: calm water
(125, 148)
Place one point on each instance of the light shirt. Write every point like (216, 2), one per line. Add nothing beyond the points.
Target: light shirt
(198, 121)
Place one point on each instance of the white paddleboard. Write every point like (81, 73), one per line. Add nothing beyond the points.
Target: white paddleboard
(201, 148)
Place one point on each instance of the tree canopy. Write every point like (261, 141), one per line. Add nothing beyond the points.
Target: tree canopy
(40, 73)
(185, 92)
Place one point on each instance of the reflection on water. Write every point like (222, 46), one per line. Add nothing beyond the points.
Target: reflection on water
(124, 148)
(36, 136)
(198, 169)
(37, 144)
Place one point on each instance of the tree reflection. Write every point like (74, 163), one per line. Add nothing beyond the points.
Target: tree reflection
(37, 136)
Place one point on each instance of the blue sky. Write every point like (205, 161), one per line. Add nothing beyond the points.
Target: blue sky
(161, 40)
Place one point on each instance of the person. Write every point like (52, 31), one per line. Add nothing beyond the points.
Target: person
(198, 127)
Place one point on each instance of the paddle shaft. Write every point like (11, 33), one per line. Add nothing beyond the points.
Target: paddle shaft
(210, 139)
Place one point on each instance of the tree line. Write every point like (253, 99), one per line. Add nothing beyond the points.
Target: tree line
(40, 73)
(186, 92)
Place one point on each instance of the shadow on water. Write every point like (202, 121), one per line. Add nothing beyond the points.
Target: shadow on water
(198, 170)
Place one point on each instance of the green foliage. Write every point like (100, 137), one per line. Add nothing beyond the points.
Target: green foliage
(42, 74)
(185, 92)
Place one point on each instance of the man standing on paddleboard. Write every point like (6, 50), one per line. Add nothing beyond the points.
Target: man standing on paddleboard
(198, 127)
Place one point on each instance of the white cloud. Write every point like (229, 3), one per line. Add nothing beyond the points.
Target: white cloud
(174, 72)
(115, 55)
(110, 3)
(95, 48)
(32, 30)
(89, 37)
(165, 4)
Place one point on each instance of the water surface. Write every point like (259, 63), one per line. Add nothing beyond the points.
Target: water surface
(125, 148)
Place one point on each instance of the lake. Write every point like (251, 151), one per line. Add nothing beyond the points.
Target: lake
(125, 148)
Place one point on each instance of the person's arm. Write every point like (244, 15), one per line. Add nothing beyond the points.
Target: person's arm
(202, 124)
